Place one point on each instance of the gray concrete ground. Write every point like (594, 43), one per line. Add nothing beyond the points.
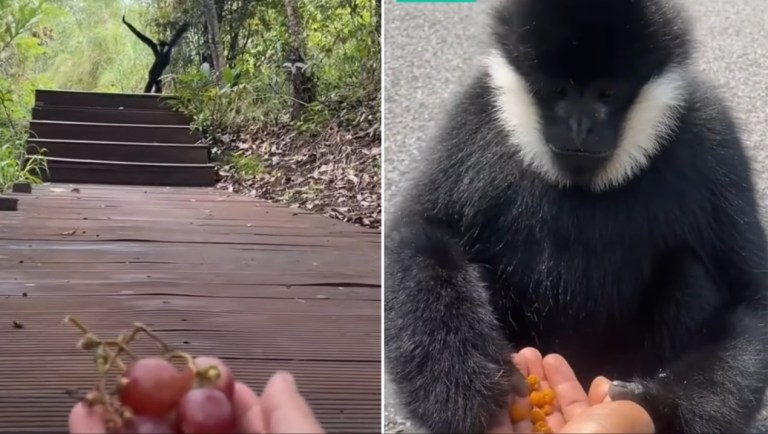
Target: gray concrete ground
(429, 50)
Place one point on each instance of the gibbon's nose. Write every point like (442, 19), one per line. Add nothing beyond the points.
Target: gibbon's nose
(581, 127)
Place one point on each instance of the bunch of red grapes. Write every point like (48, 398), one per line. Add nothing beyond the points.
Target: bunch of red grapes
(152, 395)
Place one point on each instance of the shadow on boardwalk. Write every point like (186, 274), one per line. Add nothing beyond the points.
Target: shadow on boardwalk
(263, 286)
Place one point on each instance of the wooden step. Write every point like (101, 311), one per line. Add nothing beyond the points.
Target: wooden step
(140, 101)
(111, 132)
(9, 203)
(109, 115)
(122, 173)
(121, 151)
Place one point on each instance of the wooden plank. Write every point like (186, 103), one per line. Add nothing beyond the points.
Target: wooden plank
(109, 132)
(125, 173)
(68, 98)
(181, 206)
(108, 115)
(121, 151)
(312, 310)
(155, 288)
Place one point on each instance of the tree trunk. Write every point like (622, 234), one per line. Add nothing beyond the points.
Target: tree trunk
(303, 82)
(215, 40)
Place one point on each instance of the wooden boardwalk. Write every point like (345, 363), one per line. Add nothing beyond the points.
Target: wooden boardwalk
(263, 286)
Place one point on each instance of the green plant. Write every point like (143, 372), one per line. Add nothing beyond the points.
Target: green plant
(215, 111)
(16, 165)
(245, 165)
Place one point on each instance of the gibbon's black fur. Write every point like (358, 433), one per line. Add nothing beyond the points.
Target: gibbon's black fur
(589, 195)
(162, 50)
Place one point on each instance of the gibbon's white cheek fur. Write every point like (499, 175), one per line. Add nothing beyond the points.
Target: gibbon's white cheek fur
(650, 121)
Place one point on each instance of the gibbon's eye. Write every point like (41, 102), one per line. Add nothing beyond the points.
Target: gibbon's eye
(606, 94)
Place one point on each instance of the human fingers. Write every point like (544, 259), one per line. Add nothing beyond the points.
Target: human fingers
(248, 410)
(503, 422)
(86, 420)
(571, 397)
(529, 360)
(284, 409)
(598, 390)
(611, 417)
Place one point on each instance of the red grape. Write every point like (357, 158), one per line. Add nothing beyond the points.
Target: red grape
(148, 425)
(225, 383)
(206, 410)
(153, 387)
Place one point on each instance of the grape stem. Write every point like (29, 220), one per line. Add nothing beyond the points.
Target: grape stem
(186, 358)
(107, 355)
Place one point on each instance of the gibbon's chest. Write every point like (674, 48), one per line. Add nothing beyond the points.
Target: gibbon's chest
(573, 263)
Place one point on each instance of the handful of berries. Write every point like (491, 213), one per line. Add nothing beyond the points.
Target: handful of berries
(542, 402)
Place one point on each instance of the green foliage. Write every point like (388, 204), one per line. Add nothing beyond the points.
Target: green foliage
(246, 165)
(230, 109)
(17, 166)
(315, 117)
(93, 50)
(343, 46)
(23, 30)
(341, 49)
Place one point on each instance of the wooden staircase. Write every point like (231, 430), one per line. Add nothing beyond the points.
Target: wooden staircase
(112, 138)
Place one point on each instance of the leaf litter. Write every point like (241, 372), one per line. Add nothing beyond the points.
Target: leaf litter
(336, 173)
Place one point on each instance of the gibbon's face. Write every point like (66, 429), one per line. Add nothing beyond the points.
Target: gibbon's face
(581, 122)
(589, 90)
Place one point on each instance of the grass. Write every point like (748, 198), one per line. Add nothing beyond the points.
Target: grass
(245, 165)
(17, 166)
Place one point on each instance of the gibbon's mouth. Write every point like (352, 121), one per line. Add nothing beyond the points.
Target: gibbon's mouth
(578, 152)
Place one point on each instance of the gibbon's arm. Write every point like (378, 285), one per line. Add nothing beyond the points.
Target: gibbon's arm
(179, 33)
(718, 385)
(444, 349)
(150, 43)
(715, 388)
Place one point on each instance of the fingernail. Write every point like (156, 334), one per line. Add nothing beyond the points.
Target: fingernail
(285, 379)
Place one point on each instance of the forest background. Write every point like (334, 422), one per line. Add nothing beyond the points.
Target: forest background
(286, 92)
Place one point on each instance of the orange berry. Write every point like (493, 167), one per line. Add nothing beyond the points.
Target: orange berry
(547, 409)
(538, 399)
(538, 415)
(542, 427)
(518, 413)
(534, 382)
(549, 396)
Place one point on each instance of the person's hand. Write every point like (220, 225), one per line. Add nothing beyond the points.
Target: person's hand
(556, 374)
(576, 411)
(280, 409)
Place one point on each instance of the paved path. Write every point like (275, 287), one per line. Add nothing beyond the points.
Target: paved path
(264, 286)
(429, 49)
